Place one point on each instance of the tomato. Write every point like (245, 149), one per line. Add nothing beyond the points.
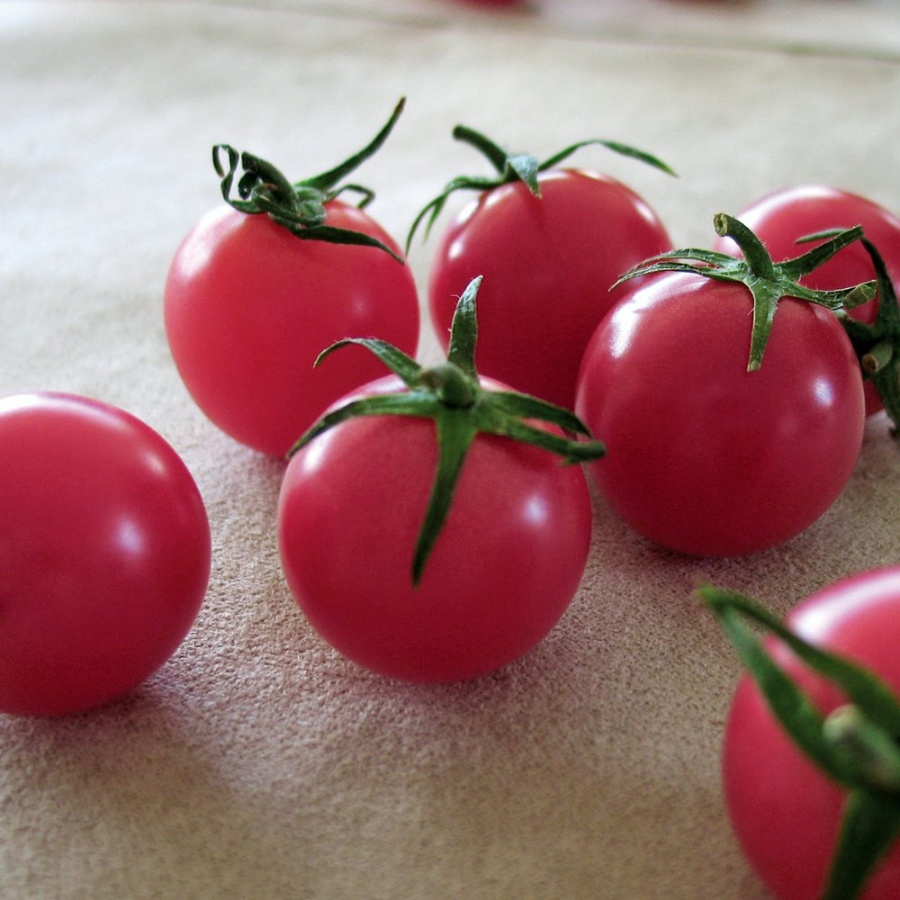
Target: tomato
(104, 553)
(784, 810)
(503, 571)
(548, 265)
(249, 306)
(782, 217)
(704, 456)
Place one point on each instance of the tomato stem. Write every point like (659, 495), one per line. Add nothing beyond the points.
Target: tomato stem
(299, 207)
(856, 745)
(768, 282)
(451, 394)
(513, 167)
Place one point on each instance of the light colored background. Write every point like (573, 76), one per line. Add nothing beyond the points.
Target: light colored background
(257, 763)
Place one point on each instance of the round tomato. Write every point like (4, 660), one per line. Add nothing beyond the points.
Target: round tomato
(704, 456)
(249, 306)
(503, 570)
(782, 217)
(784, 810)
(548, 264)
(104, 553)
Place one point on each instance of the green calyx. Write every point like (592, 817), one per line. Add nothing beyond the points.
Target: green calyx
(300, 206)
(768, 281)
(877, 345)
(857, 745)
(512, 167)
(451, 395)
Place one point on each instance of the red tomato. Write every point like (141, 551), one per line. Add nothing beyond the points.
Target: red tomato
(782, 217)
(505, 566)
(104, 553)
(548, 264)
(249, 306)
(784, 810)
(703, 456)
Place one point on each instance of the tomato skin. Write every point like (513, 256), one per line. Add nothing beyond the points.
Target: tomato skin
(249, 307)
(783, 216)
(548, 264)
(503, 571)
(104, 553)
(703, 456)
(784, 811)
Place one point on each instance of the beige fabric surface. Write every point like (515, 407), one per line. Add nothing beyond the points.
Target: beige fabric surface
(257, 763)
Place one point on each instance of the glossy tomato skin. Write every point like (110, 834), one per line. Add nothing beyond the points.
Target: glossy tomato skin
(104, 553)
(249, 306)
(548, 265)
(783, 216)
(703, 456)
(503, 571)
(784, 811)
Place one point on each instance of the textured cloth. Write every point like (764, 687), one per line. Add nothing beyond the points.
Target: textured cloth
(258, 763)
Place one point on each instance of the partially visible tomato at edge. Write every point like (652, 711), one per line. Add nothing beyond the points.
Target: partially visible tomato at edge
(104, 553)
(703, 456)
(784, 810)
(781, 217)
(249, 306)
(548, 265)
(505, 567)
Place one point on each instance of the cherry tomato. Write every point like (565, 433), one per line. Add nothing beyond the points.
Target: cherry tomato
(704, 456)
(504, 568)
(548, 265)
(249, 306)
(782, 217)
(784, 810)
(104, 553)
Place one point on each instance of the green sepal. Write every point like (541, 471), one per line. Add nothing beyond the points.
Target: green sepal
(511, 167)
(767, 281)
(451, 395)
(856, 745)
(299, 207)
(877, 345)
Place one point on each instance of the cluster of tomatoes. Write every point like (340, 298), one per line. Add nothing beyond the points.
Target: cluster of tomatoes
(426, 526)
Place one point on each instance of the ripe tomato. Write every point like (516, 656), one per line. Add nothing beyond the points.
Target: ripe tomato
(104, 553)
(784, 810)
(249, 306)
(502, 572)
(779, 219)
(704, 456)
(548, 264)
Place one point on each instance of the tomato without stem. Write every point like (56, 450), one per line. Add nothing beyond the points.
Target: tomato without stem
(502, 572)
(781, 218)
(548, 264)
(704, 456)
(784, 810)
(104, 553)
(249, 306)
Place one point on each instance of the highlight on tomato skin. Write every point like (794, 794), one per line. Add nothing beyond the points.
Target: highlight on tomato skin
(106, 553)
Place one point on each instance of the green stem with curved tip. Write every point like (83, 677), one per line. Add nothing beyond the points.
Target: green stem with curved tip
(300, 206)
